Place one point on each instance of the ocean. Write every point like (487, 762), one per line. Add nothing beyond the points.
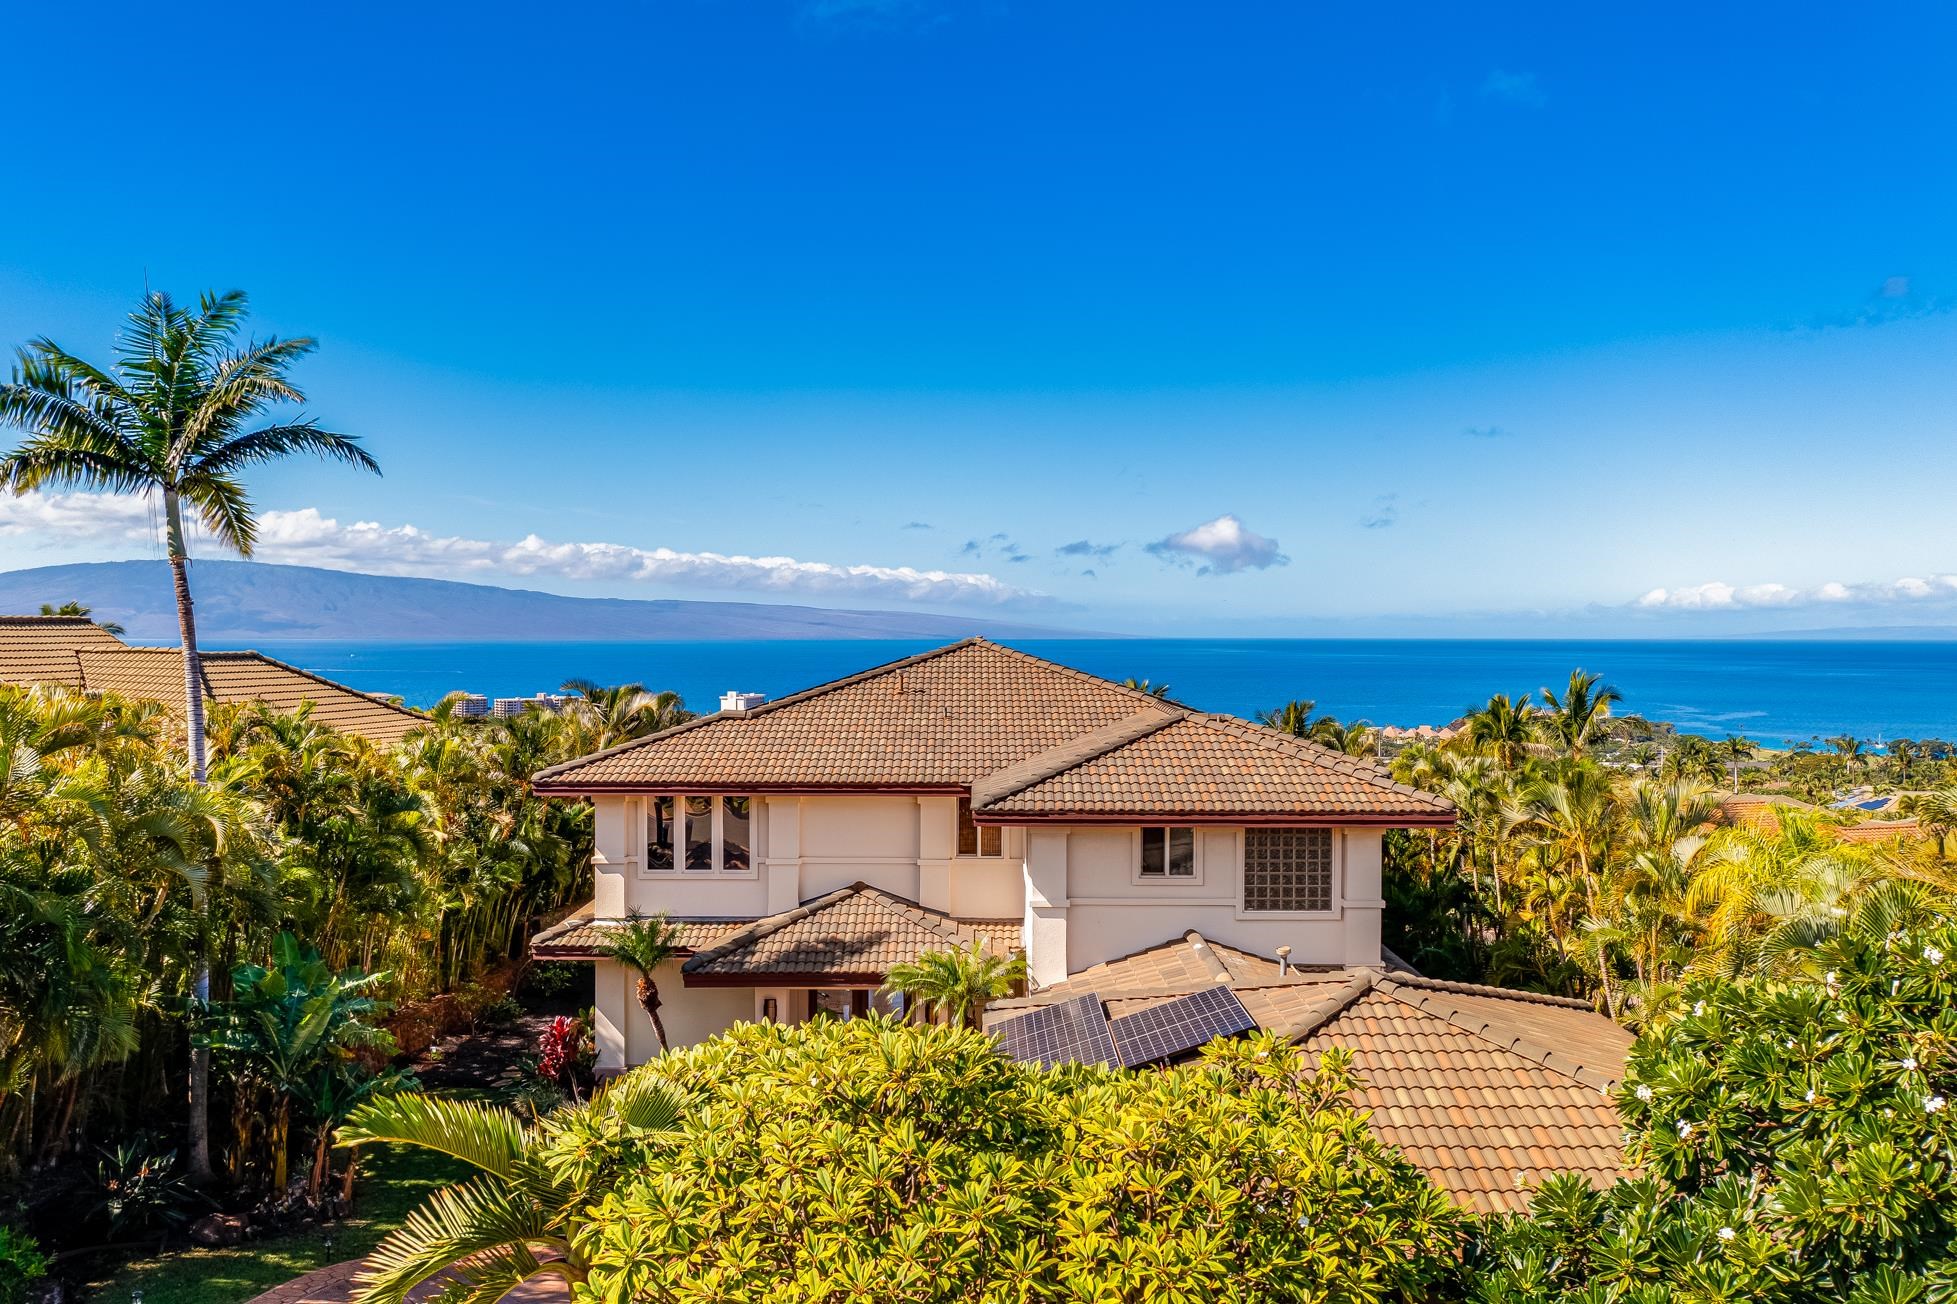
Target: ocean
(1776, 692)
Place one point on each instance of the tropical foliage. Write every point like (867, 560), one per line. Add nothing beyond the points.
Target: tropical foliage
(1796, 1140)
(955, 984)
(520, 1218)
(866, 1159)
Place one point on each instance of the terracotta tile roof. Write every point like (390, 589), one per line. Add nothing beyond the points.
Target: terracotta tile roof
(1879, 830)
(1477, 1085)
(1758, 811)
(1210, 766)
(1029, 738)
(852, 935)
(940, 720)
(41, 649)
(579, 936)
(80, 654)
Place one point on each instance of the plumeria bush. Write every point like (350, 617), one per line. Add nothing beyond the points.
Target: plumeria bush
(1797, 1143)
(867, 1160)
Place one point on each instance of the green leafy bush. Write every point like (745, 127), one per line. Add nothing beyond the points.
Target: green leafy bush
(867, 1160)
(1797, 1140)
(21, 1264)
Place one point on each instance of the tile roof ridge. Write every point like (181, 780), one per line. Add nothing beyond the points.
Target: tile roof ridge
(1074, 753)
(1329, 1007)
(765, 925)
(935, 921)
(1411, 979)
(1304, 748)
(1480, 1026)
(31, 620)
(205, 656)
(1219, 967)
(551, 772)
(1077, 673)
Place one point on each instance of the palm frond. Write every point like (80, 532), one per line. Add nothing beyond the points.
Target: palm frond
(480, 1135)
(480, 1217)
(274, 442)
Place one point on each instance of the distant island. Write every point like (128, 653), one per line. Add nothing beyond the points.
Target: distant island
(240, 602)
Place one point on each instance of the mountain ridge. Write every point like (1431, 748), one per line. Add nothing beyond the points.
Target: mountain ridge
(241, 601)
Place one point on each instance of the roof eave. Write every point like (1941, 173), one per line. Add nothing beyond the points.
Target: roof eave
(1292, 819)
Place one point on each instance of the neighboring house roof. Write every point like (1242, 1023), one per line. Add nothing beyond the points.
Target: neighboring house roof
(79, 654)
(1487, 1090)
(580, 936)
(1879, 830)
(1028, 738)
(1760, 812)
(850, 937)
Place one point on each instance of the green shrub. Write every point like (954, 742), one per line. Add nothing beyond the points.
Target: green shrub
(555, 979)
(1798, 1142)
(866, 1160)
(21, 1264)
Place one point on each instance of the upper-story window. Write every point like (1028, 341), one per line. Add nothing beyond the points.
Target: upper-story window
(977, 839)
(1167, 854)
(699, 835)
(1287, 870)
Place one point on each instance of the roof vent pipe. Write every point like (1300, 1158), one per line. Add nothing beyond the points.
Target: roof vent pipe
(1283, 961)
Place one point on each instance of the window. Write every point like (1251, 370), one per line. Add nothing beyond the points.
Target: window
(1287, 870)
(700, 835)
(659, 833)
(736, 828)
(974, 839)
(1168, 853)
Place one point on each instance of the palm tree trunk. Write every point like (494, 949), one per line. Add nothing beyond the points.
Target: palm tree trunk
(199, 1160)
(649, 999)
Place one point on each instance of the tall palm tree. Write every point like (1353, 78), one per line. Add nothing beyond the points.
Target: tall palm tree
(1579, 711)
(519, 1220)
(1504, 729)
(643, 944)
(174, 415)
(956, 984)
(1737, 749)
(606, 716)
(1903, 752)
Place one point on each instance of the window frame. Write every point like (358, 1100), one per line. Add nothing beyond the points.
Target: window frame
(638, 849)
(1335, 889)
(962, 820)
(1165, 878)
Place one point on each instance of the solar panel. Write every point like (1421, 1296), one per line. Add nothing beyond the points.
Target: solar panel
(1175, 1027)
(1072, 1032)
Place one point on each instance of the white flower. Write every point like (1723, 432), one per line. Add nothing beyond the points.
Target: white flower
(1933, 955)
(1933, 1105)
(1909, 1063)
(1644, 1092)
(1810, 1096)
(1727, 1233)
(1684, 1128)
(1829, 978)
(1790, 1043)
(1698, 1007)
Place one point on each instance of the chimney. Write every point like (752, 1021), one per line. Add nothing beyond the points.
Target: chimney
(1283, 961)
(732, 701)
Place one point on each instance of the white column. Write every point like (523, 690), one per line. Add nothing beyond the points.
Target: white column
(784, 853)
(1361, 897)
(1046, 905)
(937, 845)
(610, 856)
(610, 997)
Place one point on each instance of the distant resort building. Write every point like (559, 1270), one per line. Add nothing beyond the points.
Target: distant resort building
(74, 652)
(505, 707)
(468, 706)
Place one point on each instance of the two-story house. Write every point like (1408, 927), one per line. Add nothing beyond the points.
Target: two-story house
(1145, 857)
(808, 843)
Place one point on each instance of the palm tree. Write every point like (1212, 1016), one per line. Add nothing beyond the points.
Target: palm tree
(1737, 749)
(1583, 706)
(1292, 718)
(1144, 686)
(644, 943)
(170, 416)
(1503, 729)
(537, 1185)
(76, 609)
(1355, 739)
(1903, 752)
(607, 716)
(956, 984)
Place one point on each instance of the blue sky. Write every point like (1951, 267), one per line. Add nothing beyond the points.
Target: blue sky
(1263, 318)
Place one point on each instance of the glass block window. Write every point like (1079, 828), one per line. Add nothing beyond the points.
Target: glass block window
(1287, 869)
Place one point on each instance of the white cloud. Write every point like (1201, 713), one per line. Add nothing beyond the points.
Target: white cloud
(308, 538)
(1717, 595)
(1224, 545)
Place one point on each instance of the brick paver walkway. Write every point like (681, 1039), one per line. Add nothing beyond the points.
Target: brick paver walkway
(334, 1285)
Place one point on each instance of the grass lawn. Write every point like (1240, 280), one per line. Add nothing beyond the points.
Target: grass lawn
(393, 1180)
